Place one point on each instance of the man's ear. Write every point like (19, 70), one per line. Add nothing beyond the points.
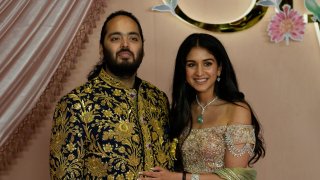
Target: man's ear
(100, 51)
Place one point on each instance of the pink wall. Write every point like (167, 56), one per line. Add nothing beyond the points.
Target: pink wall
(281, 82)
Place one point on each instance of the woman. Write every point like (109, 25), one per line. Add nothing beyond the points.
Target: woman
(219, 135)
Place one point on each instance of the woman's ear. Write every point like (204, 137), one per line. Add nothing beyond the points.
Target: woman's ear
(219, 70)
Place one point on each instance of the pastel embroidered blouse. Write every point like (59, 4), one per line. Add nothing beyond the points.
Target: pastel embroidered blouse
(203, 150)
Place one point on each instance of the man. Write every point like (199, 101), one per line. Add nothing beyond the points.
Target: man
(116, 124)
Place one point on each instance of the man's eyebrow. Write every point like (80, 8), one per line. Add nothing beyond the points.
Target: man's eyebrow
(114, 33)
(134, 33)
(119, 33)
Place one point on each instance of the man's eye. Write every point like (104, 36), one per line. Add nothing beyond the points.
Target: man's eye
(134, 38)
(114, 38)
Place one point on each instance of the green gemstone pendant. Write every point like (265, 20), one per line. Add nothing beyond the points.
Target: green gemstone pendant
(200, 119)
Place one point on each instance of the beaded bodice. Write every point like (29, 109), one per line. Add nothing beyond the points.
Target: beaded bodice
(203, 150)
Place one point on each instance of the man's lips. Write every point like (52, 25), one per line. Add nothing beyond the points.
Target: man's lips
(124, 54)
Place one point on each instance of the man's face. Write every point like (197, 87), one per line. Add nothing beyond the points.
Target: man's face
(123, 47)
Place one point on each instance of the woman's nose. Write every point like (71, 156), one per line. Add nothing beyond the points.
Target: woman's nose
(199, 70)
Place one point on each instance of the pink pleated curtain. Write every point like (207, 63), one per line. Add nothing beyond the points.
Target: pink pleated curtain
(39, 43)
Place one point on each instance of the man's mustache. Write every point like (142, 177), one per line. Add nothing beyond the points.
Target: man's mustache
(125, 50)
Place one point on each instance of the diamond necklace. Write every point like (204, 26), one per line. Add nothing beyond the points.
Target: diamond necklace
(200, 117)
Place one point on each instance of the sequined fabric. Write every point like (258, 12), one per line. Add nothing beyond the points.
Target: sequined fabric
(204, 149)
(102, 130)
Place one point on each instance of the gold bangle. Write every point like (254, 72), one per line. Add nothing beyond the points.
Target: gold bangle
(195, 177)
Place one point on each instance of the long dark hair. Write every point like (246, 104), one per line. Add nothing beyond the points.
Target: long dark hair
(226, 89)
(102, 63)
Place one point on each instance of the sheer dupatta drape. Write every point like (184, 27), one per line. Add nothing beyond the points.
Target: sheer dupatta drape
(39, 42)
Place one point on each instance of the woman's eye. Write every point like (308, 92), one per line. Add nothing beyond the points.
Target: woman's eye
(190, 65)
(207, 64)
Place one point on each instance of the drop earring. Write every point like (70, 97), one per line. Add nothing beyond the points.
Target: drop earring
(218, 79)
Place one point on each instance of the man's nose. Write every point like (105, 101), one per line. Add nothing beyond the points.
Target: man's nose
(124, 42)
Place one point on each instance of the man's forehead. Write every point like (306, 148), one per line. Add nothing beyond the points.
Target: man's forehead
(122, 25)
(122, 21)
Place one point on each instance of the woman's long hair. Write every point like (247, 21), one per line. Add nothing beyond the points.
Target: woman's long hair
(226, 89)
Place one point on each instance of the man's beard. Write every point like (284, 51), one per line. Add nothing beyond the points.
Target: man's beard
(124, 68)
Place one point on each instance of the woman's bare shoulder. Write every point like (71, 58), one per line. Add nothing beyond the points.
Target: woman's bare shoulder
(239, 113)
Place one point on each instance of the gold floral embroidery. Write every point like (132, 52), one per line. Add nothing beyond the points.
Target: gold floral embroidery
(96, 167)
(107, 113)
(136, 138)
(88, 90)
(70, 147)
(87, 117)
(125, 127)
(173, 148)
(105, 131)
(134, 160)
(57, 142)
(61, 171)
(130, 175)
(77, 106)
(107, 135)
(116, 92)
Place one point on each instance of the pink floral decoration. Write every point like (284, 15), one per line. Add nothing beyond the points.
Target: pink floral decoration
(286, 24)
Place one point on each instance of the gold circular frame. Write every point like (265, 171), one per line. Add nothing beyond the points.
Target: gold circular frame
(254, 16)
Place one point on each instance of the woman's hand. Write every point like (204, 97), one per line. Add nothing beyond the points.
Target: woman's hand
(158, 173)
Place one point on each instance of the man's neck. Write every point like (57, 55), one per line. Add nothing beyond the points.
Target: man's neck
(127, 81)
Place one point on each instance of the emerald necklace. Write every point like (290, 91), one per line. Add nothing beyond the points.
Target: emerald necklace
(200, 117)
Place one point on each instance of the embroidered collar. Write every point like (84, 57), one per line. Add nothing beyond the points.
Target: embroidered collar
(115, 82)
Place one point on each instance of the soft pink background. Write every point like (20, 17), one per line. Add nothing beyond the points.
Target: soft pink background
(281, 82)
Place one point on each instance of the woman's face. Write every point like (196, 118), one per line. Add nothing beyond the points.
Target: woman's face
(201, 70)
